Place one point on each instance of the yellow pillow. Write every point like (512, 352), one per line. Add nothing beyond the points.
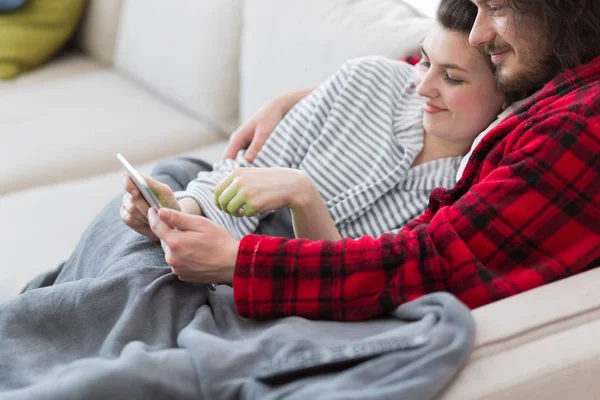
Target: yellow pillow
(32, 34)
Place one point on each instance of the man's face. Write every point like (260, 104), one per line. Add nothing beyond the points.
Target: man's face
(516, 45)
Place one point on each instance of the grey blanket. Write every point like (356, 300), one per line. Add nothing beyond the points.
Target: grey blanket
(113, 322)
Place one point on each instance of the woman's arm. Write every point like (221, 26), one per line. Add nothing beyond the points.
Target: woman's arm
(311, 217)
(251, 191)
(287, 147)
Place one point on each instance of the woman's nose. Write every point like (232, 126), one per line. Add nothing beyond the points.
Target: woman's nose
(426, 86)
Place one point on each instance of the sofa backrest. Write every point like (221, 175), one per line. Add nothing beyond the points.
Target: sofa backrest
(98, 31)
(187, 51)
(426, 8)
(291, 44)
(219, 60)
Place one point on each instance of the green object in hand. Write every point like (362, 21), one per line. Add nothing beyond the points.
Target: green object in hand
(32, 34)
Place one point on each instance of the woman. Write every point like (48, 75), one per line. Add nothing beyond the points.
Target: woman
(359, 155)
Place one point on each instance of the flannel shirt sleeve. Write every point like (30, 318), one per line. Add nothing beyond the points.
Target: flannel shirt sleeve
(531, 218)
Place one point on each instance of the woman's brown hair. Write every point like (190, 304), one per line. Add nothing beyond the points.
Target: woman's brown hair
(457, 15)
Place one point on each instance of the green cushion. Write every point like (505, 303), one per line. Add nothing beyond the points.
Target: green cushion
(32, 34)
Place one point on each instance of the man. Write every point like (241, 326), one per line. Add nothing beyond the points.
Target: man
(526, 211)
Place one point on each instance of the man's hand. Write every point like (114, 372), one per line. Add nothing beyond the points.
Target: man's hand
(255, 131)
(197, 249)
(259, 127)
(249, 191)
(134, 209)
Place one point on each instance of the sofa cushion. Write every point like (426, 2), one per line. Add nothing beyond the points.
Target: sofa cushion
(31, 35)
(290, 44)
(98, 31)
(51, 219)
(64, 66)
(186, 50)
(73, 127)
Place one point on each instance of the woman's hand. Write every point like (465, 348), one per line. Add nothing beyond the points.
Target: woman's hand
(134, 209)
(258, 128)
(249, 191)
(197, 249)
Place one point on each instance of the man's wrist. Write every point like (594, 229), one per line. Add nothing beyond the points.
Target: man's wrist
(231, 260)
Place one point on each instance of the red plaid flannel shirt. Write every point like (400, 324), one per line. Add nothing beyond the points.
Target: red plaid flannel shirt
(525, 213)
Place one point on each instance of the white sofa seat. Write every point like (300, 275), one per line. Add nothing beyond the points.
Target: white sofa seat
(541, 344)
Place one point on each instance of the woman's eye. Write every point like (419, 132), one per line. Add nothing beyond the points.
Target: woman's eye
(453, 81)
(424, 63)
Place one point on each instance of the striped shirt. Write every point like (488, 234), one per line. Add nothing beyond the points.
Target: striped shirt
(356, 136)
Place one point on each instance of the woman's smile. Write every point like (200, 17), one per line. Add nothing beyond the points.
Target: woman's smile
(432, 109)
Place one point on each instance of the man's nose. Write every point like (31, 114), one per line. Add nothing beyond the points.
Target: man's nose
(483, 31)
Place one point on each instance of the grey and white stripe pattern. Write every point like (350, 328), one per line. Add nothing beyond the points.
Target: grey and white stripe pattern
(356, 136)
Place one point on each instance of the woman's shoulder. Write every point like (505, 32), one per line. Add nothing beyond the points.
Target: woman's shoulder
(379, 65)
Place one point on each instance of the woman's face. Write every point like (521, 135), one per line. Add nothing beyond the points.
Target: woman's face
(461, 97)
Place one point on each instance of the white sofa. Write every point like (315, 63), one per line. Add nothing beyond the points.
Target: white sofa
(154, 79)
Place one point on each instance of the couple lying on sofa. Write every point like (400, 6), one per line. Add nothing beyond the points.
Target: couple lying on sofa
(359, 155)
(365, 152)
(362, 154)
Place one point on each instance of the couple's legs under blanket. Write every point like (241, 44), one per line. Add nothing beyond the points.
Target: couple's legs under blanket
(115, 278)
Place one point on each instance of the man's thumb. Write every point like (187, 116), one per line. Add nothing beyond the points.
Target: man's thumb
(179, 220)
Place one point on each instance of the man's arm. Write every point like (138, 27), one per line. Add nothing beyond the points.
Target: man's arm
(531, 219)
(254, 132)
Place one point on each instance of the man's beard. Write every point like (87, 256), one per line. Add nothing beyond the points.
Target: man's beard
(528, 79)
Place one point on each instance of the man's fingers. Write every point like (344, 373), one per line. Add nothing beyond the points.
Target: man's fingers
(160, 228)
(257, 144)
(238, 140)
(139, 227)
(140, 203)
(181, 221)
(132, 209)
